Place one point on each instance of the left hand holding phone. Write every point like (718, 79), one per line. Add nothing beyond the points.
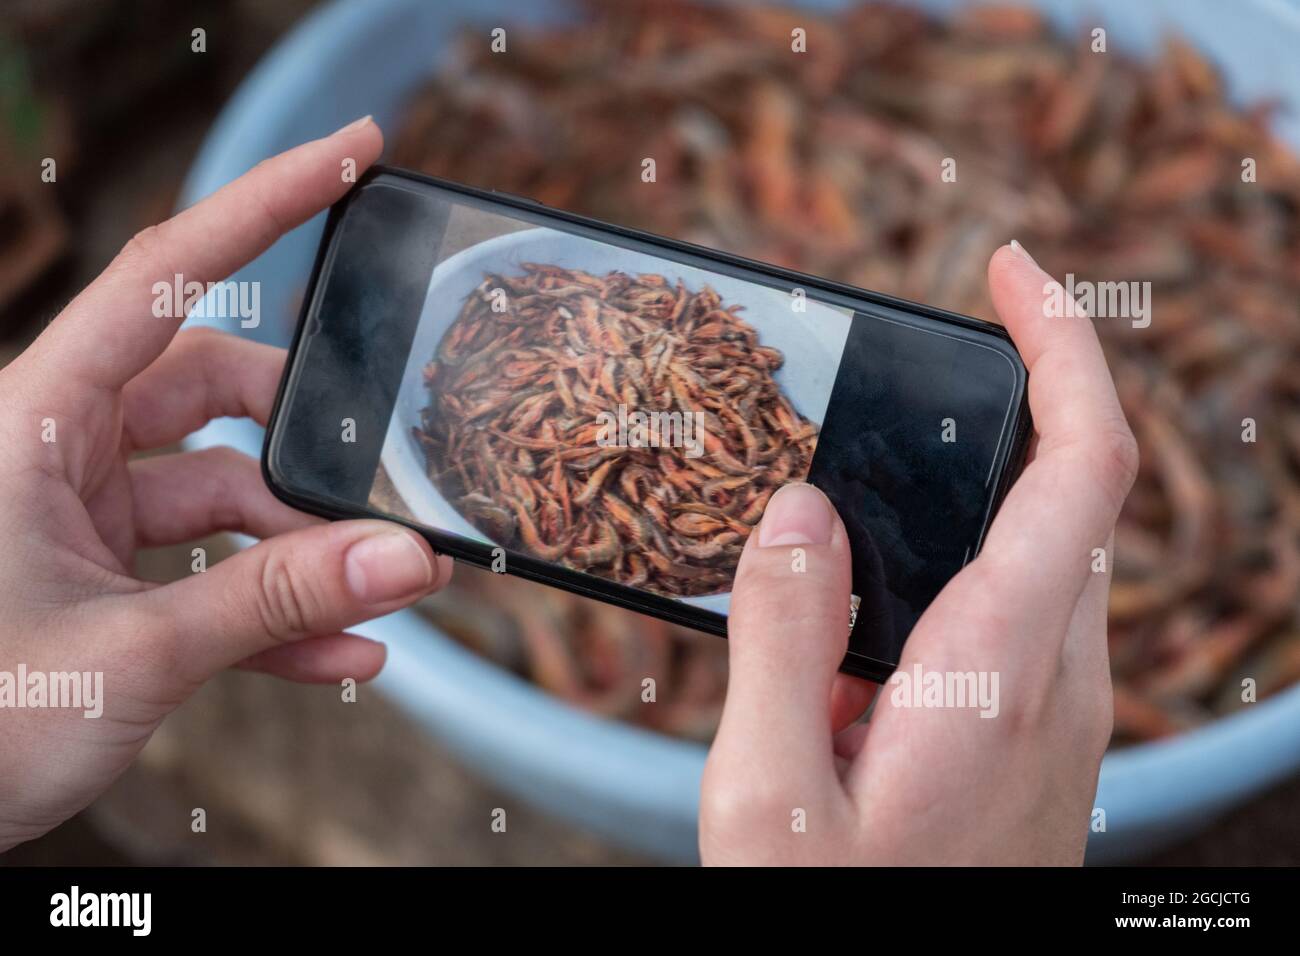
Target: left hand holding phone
(108, 378)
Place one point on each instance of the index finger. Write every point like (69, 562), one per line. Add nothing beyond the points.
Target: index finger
(108, 334)
(1065, 504)
(1071, 393)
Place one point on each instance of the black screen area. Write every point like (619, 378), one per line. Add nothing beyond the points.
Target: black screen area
(351, 350)
(906, 455)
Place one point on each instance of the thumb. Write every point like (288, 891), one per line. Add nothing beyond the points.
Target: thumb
(787, 633)
(308, 583)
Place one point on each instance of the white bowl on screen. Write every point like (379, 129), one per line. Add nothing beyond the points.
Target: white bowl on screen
(811, 341)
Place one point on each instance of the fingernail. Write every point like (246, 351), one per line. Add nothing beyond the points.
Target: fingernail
(387, 566)
(797, 514)
(1017, 248)
(355, 124)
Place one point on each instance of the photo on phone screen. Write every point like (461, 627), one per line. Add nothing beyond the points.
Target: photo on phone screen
(621, 411)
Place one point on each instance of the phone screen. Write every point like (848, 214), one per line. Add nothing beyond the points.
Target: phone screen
(615, 413)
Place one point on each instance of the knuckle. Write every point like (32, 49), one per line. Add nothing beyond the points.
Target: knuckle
(286, 601)
(987, 618)
(1022, 711)
(199, 339)
(731, 805)
(223, 494)
(718, 805)
(145, 249)
(1118, 459)
(786, 581)
(227, 455)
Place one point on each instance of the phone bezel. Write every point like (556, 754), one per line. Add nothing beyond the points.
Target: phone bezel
(1008, 459)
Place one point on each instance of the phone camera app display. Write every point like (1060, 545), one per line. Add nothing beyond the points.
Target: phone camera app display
(603, 409)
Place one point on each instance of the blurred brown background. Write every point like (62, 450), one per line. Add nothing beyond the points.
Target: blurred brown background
(287, 774)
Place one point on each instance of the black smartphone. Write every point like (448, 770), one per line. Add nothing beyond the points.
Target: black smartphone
(609, 411)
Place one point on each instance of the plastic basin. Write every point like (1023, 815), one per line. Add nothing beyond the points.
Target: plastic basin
(638, 788)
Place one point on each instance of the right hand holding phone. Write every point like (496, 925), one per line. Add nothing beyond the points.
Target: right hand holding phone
(792, 779)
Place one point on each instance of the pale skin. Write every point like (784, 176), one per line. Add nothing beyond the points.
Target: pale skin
(792, 780)
(913, 787)
(115, 379)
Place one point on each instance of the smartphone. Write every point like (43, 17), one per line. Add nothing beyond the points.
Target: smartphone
(609, 411)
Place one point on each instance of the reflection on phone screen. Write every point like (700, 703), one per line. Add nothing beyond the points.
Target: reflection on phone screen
(628, 416)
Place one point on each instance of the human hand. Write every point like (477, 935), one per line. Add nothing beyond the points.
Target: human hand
(106, 379)
(937, 785)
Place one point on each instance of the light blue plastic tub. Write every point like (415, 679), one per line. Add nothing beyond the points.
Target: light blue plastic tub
(638, 788)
